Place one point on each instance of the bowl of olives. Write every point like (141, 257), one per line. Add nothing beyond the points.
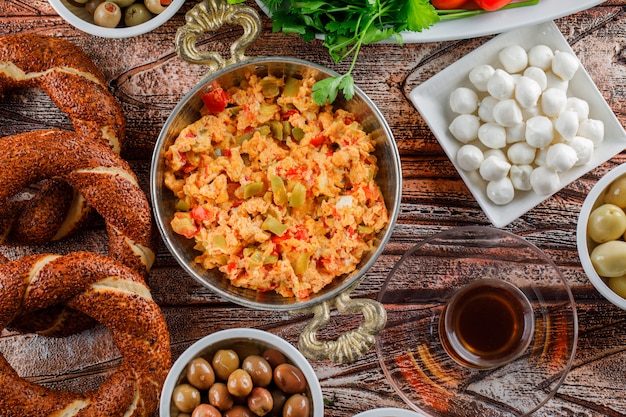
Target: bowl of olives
(241, 373)
(116, 18)
(601, 236)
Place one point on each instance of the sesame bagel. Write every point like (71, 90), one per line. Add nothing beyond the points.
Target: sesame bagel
(74, 83)
(102, 177)
(113, 295)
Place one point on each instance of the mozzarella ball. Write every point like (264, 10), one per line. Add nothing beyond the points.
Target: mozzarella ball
(498, 153)
(564, 65)
(492, 135)
(494, 168)
(567, 124)
(507, 113)
(584, 149)
(527, 92)
(553, 102)
(463, 100)
(529, 112)
(592, 129)
(521, 153)
(516, 133)
(538, 75)
(539, 131)
(540, 56)
(580, 106)
(480, 75)
(501, 191)
(520, 177)
(544, 181)
(540, 157)
(469, 157)
(513, 58)
(553, 81)
(465, 127)
(561, 157)
(501, 85)
(485, 109)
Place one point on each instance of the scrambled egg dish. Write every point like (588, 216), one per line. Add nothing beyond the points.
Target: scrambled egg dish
(277, 192)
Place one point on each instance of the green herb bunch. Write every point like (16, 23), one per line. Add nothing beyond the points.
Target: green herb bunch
(347, 25)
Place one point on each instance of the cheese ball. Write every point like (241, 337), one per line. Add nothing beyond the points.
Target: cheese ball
(567, 124)
(583, 148)
(501, 191)
(520, 177)
(480, 75)
(516, 133)
(492, 135)
(521, 153)
(465, 127)
(513, 58)
(494, 168)
(544, 181)
(592, 129)
(485, 109)
(541, 56)
(507, 113)
(469, 157)
(538, 75)
(580, 106)
(527, 92)
(553, 102)
(501, 85)
(561, 157)
(564, 65)
(539, 131)
(463, 100)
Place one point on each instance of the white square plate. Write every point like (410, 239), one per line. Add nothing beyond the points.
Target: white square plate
(431, 99)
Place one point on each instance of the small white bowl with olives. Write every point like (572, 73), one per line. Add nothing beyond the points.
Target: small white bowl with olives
(116, 18)
(241, 373)
(601, 236)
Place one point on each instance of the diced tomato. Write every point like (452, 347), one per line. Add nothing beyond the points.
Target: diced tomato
(226, 152)
(216, 100)
(200, 213)
(491, 5)
(231, 266)
(447, 4)
(318, 140)
(295, 173)
(286, 115)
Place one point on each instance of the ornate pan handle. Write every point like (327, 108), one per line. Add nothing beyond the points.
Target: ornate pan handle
(208, 16)
(350, 345)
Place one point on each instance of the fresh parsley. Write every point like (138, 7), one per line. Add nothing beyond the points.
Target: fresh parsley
(347, 25)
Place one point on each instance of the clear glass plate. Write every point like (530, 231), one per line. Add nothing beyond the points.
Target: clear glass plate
(416, 291)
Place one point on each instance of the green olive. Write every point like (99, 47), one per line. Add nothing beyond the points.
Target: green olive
(239, 383)
(616, 192)
(259, 369)
(609, 258)
(136, 14)
(186, 397)
(296, 406)
(618, 285)
(154, 6)
(123, 3)
(107, 14)
(225, 361)
(607, 222)
(260, 401)
(200, 373)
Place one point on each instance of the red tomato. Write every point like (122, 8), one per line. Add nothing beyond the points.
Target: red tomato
(491, 4)
(447, 4)
(215, 100)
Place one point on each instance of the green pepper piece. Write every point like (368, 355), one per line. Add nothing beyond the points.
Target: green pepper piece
(286, 128)
(271, 259)
(279, 190)
(219, 241)
(297, 133)
(242, 138)
(292, 85)
(272, 224)
(182, 205)
(277, 129)
(302, 263)
(364, 230)
(269, 88)
(264, 130)
(297, 196)
(253, 188)
(234, 110)
(256, 259)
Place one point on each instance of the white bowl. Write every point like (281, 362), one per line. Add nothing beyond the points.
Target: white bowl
(431, 98)
(389, 412)
(226, 338)
(586, 245)
(80, 19)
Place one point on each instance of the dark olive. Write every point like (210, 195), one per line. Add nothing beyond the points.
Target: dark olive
(186, 397)
(205, 410)
(219, 397)
(260, 401)
(239, 383)
(91, 6)
(245, 349)
(279, 398)
(274, 357)
(239, 411)
(297, 406)
(259, 369)
(289, 378)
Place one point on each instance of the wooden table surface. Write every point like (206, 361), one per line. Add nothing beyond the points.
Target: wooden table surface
(148, 78)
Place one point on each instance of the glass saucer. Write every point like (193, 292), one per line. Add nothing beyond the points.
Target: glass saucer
(417, 289)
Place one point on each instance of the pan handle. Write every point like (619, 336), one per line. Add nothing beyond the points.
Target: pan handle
(209, 16)
(350, 345)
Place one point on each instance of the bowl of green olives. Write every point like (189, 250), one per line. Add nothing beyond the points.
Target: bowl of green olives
(241, 372)
(116, 18)
(601, 236)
